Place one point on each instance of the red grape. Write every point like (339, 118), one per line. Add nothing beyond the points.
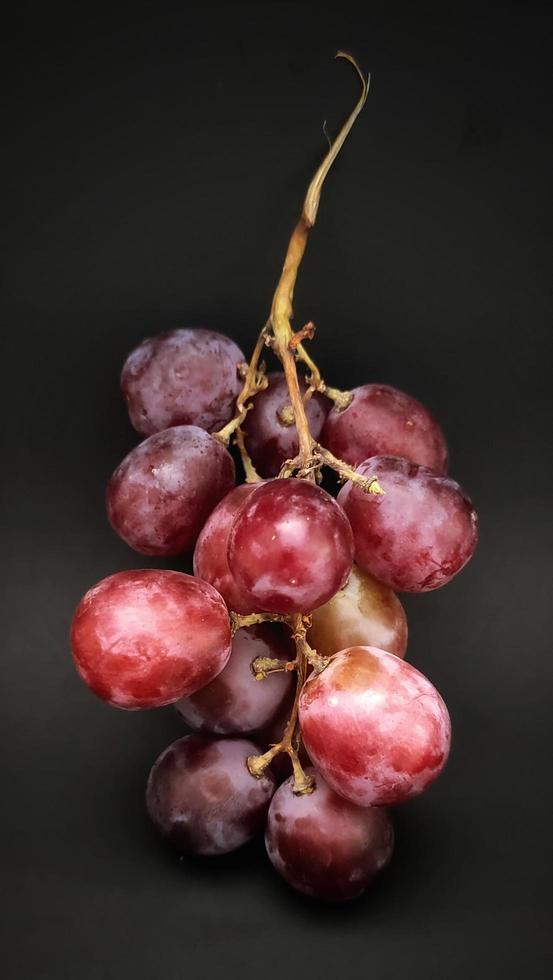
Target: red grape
(374, 726)
(268, 440)
(290, 545)
(323, 845)
(363, 613)
(235, 701)
(211, 552)
(201, 797)
(382, 421)
(419, 534)
(182, 377)
(145, 638)
(161, 494)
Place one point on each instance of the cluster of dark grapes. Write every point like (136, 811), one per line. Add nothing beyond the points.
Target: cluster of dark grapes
(288, 642)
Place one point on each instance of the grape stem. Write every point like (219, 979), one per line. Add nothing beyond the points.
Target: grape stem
(288, 345)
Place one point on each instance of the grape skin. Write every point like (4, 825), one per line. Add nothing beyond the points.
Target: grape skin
(235, 702)
(147, 637)
(324, 846)
(419, 534)
(211, 552)
(201, 797)
(362, 613)
(290, 546)
(159, 497)
(182, 377)
(269, 441)
(375, 727)
(383, 421)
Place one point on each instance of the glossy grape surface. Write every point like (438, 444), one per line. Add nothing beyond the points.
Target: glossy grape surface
(201, 797)
(182, 377)
(145, 638)
(235, 702)
(419, 534)
(324, 846)
(161, 494)
(290, 546)
(362, 613)
(382, 421)
(211, 552)
(375, 727)
(268, 440)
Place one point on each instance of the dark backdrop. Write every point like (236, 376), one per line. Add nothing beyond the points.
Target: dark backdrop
(154, 166)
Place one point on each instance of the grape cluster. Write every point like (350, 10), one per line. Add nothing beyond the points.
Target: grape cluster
(287, 644)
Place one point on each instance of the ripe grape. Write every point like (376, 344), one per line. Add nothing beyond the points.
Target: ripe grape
(290, 545)
(161, 494)
(211, 552)
(382, 421)
(269, 441)
(419, 534)
(145, 638)
(362, 613)
(235, 701)
(324, 846)
(182, 377)
(374, 726)
(201, 797)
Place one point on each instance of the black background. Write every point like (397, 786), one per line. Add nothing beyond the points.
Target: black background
(154, 165)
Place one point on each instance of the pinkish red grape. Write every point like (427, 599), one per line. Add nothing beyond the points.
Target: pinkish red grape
(211, 552)
(419, 534)
(145, 638)
(290, 546)
(323, 845)
(362, 613)
(161, 494)
(375, 727)
(268, 440)
(235, 702)
(182, 377)
(201, 797)
(382, 421)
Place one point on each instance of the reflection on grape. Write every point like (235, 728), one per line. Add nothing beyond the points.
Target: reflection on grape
(201, 797)
(418, 534)
(290, 546)
(161, 494)
(211, 552)
(382, 421)
(324, 846)
(269, 440)
(362, 613)
(182, 377)
(375, 727)
(145, 638)
(235, 702)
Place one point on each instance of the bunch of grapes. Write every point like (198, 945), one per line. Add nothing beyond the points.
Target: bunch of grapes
(288, 642)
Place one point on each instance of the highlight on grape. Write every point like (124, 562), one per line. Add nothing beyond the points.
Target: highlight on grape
(284, 653)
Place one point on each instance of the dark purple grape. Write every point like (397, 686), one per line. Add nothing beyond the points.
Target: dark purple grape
(182, 377)
(201, 797)
(268, 440)
(382, 421)
(324, 846)
(235, 702)
(161, 494)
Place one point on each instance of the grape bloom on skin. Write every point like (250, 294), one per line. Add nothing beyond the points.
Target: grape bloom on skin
(290, 546)
(161, 494)
(182, 377)
(383, 421)
(375, 727)
(211, 551)
(145, 638)
(324, 846)
(201, 797)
